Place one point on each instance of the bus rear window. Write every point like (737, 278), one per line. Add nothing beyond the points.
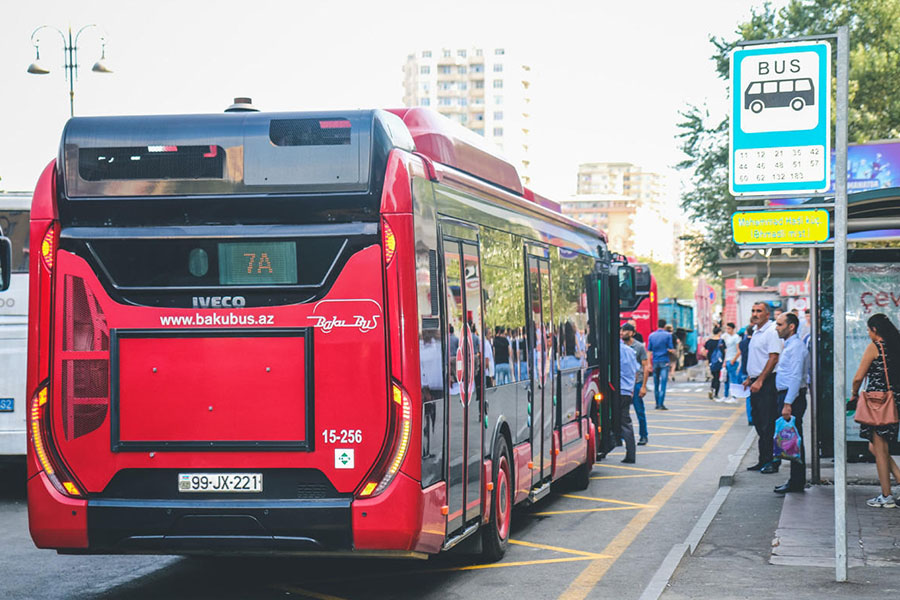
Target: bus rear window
(151, 162)
(14, 224)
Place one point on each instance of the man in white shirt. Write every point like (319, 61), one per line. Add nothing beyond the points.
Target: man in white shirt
(765, 347)
(790, 381)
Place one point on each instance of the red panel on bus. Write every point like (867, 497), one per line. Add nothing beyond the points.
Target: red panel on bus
(212, 389)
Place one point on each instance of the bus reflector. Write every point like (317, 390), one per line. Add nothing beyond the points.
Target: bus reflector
(390, 243)
(598, 397)
(41, 445)
(370, 487)
(48, 247)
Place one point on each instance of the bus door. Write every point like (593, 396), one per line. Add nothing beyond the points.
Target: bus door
(540, 336)
(463, 355)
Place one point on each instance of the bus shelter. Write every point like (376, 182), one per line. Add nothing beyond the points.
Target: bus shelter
(873, 286)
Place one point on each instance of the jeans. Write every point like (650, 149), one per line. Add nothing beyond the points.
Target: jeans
(714, 384)
(638, 403)
(502, 373)
(733, 371)
(660, 379)
(627, 432)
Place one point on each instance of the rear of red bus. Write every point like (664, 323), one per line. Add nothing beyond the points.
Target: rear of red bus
(210, 364)
(645, 310)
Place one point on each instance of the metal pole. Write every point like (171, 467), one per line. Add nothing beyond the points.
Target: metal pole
(840, 309)
(814, 354)
(70, 71)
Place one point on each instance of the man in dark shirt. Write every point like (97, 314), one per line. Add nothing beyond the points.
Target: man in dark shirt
(501, 356)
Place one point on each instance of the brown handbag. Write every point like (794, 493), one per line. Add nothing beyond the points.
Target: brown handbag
(877, 408)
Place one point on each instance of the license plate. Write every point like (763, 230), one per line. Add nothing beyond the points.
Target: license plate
(220, 482)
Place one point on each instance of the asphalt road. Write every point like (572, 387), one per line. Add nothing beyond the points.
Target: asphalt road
(607, 541)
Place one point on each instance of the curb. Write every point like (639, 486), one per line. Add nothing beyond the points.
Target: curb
(660, 580)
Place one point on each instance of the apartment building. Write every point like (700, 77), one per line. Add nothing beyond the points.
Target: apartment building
(611, 213)
(486, 90)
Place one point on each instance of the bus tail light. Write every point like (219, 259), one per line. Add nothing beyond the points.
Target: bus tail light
(390, 242)
(48, 246)
(42, 445)
(401, 432)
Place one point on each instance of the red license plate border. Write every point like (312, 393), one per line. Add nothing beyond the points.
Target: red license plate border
(119, 445)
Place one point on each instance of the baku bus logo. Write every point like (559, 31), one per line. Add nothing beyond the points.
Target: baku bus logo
(345, 314)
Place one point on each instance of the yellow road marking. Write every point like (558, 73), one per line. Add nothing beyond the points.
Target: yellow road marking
(608, 500)
(636, 469)
(586, 510)
(594, 572)
(522, 563)
(681, 419)
(631, 476)
(554, 548)
(688, 429)
(670, 447)
(643, 452)
(307, 593)
(683, 414)
(656, 435)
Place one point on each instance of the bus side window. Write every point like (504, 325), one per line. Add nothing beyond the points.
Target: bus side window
(770, 87)
(803, 85)
(786, 86)
(755, 88)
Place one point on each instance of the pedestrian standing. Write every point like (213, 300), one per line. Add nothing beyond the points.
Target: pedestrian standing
(628, 369)
(661, 347)
(732, 343)
(715, 354)
(880, 365)
(744, 352)
(640, 382)
(765, 347)
(673, 359)
(501, 356)
(790, 381)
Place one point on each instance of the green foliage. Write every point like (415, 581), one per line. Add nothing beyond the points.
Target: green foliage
(668, 284)
(874, 86)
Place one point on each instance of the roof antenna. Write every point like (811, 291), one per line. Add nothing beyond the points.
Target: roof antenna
(242, 105)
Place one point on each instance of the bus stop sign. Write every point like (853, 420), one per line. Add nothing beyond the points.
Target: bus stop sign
(780, 119)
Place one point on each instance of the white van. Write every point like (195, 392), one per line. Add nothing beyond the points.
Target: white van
(15, 208)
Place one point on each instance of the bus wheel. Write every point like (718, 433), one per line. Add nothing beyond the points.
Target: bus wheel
(495, 536)
(757, 106)
(798, 103)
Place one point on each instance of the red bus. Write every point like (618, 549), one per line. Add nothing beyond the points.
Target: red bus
(644, 308)
(279, 332)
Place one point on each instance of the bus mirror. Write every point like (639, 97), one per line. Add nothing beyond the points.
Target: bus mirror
(627, 291)
(5, 262)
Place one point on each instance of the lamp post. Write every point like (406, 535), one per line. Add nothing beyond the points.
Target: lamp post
(70, 55)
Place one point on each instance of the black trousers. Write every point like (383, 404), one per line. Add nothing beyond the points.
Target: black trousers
(798, 408)
(627, 430)
(763, 410)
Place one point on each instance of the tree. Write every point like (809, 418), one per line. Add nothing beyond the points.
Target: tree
(874, 85)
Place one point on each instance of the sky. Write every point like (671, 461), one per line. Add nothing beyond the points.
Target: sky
(609, 77)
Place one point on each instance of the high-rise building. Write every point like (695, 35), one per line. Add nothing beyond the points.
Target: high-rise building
(610, 213)
(483, 89)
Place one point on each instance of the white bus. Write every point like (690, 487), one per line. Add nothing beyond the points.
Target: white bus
(14, 223)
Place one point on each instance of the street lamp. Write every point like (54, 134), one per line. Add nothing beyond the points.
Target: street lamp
(70, 55)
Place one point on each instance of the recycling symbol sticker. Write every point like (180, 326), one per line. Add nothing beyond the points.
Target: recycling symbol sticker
(343, 458)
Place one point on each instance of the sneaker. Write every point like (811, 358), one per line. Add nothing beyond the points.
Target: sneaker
(719, 400)
(710, 394)
(880, 501)
(731, 400)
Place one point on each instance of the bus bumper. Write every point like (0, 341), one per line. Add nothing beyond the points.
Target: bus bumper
(218, 526)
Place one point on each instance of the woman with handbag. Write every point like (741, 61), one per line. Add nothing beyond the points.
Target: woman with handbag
(876, 407)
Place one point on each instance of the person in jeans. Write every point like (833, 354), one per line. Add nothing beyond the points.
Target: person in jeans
(640, 382)
(628, 369)
(661, 346)
(732, 367)
(790, 381)
(715, 355)
(743, 353)
(880, 364)
(763, 352)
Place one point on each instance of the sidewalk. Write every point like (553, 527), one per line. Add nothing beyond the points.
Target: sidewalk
(761, 545)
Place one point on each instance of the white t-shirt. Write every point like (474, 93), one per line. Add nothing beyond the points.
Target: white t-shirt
(765, 341)
(731, 345)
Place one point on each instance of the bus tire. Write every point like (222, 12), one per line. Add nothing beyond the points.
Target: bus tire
(798, 104)
(756, 106)
(495, 535)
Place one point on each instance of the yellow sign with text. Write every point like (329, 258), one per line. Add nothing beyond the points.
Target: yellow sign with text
(780, 226)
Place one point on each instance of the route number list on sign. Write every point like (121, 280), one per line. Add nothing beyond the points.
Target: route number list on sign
(778, 165)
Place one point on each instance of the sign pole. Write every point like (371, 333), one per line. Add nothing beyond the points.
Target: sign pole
(840, 309)
(813, 311)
